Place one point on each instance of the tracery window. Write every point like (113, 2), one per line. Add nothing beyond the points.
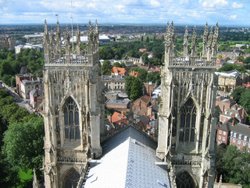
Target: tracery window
(184, 180)
(71, 120)
(187, 122)
(71, 179)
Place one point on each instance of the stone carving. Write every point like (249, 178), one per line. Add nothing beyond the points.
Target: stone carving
(188, 80)
(185, 43)
(66, 71)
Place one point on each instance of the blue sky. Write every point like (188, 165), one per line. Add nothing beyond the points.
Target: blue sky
(195, 12)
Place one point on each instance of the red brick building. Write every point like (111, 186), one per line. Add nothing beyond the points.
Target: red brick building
(234, 134)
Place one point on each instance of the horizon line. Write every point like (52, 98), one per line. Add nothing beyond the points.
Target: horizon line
(126, 24)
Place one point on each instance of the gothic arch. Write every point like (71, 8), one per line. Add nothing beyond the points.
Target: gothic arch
(71, 178)
(71, 118)
(185, 180)
(187, 97)
(64, 100)
(188, 113)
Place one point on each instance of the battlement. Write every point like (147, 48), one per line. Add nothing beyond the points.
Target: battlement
(192, 62)
(190, 57)
(61, 51)
(71, 60)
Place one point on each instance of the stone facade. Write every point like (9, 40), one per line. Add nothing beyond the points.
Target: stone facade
(186, 135)
(72, 107)
(26, 83)
(7, 42)
(228, 81)
(113, 83)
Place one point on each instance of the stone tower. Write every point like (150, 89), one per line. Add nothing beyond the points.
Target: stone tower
(72, 106)
(186, 124)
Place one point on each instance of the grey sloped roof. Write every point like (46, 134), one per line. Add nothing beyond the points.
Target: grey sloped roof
(128, 161)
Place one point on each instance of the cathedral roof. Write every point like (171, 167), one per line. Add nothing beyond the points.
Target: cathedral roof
(128, 161)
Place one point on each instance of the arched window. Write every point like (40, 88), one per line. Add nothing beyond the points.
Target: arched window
(187, 122)
(71, 120)
(71, 179)
(184, 180)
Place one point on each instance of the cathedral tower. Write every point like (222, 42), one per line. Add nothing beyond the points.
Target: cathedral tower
(186, 124)
(72, 106)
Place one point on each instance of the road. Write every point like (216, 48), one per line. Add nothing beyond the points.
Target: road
(24, 103)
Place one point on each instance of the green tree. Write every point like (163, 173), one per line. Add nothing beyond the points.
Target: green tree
(142, 73)
(245, 101)
(246, 60)
(117, 64)
(133, 87)
(23, 144)
(154, 77)
(236, 166)
(136, 89)
(236, 94)
(128, 84)
(220, 150)
(106, 52)
(106, 68)
(229, 67)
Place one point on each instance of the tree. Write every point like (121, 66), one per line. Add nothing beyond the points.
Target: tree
(236, 94)
(142, 73)
(154, 77)
(220, 150)
(106, 52)
(246, 60)
(133, 87)
(128, 84)
(106, 68)
(136, 89)
(22, 151)
(236, 168)
(117, 64)
(240, 58)
(229, 67)
(23, 144)
(245, 101)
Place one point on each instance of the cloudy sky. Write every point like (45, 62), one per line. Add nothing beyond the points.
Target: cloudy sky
(226, 12)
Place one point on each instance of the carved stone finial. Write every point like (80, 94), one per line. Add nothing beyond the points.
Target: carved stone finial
(78, 41)
(45, 27)
(214, 44)
(46, 42)
(205, 40)
(169, 36)
(193, 44)
(169, 43)
(58, 39)
(67, 43)
(185, 43)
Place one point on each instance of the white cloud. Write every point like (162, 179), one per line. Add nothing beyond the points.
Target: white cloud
(133, 11)
(120, 8)
(155, 3)
(208, 4)
(233, 17)
(237, 5)
(184, 1)
(194, 14)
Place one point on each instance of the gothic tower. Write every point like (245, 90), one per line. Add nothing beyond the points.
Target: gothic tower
(72, 106)
(186, 124)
